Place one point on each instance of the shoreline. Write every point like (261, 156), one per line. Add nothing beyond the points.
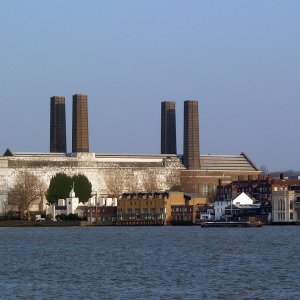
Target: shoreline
(21, 223)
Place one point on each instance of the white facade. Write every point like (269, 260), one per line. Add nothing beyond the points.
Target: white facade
(97, 168)
(72, 202)
(283, 205)
(219, 207)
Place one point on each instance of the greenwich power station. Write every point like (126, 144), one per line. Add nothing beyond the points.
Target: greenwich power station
(189, 172)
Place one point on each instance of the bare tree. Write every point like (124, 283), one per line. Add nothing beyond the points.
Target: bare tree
(28, 190)
(173, 180)
(131, 183)
(114, 181)
(150, 181)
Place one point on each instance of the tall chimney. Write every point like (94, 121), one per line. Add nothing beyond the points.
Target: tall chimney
(168, 128)
(80, 130)
(58, 124)
(191, 153)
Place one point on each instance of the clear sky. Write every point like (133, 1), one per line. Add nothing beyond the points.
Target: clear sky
(240, 59)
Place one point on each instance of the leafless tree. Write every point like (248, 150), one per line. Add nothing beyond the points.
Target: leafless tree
(173, 180)
(114, 181)
(28, 190)
(150, 181)
(131, 183)
(3, 207)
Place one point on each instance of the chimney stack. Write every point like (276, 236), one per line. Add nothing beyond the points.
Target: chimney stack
(80, 131)
(191, 153)
(168, 128)
(58, 124)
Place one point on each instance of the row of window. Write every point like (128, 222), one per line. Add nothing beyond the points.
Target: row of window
(177, 209)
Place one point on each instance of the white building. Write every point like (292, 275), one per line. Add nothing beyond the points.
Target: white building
(284, 202)
(219, 208)
(65, 206)
(102, 170)
(220, 205)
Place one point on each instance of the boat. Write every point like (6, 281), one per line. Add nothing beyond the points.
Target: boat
(231, 224)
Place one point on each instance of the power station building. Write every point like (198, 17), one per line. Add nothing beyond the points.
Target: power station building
(127, 172)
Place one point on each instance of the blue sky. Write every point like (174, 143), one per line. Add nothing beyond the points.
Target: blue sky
(240, 59)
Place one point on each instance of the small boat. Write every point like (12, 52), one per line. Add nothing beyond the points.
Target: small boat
(231, 224)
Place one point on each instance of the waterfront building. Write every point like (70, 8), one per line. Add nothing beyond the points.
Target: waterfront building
(80, 130)
(113, 174)
(221, 204)
(219, 208)
(187, 213)
(102, 215)
(207, 213)
(285, 201)
(156, 207)
(242, 212)
(58, 141)
(168, 128)
(106, 172)
(65, 206)
(259, 188)
(203, 172)
(214, 168)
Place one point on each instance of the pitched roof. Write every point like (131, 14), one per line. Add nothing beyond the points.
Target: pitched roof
(243, 199)
(227, 162)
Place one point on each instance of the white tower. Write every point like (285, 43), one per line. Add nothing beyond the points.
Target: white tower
(72, 202)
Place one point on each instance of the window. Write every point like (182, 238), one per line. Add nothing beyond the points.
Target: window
(205, 189)
(291, 216)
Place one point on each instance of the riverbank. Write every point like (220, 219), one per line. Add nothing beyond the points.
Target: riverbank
(21, 223)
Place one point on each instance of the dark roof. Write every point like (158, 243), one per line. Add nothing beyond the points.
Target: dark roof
(285, 182)
(60, 207)
(191, 195)
(239, 206)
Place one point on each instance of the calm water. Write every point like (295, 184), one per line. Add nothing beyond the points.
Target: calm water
(150, 262)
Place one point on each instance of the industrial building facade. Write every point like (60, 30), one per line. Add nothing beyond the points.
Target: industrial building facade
(190, 173)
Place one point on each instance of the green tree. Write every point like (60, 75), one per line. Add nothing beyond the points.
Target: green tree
(82, 187)
(59, 188)
(61, 185)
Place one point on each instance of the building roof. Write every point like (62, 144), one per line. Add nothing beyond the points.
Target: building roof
(286, 182)
(243, 199)
(242, 206)
(208, 162)
(191, 195)
(8, 152)
(227, 162)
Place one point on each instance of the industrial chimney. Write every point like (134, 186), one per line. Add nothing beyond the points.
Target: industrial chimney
(168, 128)
(80, 130)
(58, 124)
(191, 153)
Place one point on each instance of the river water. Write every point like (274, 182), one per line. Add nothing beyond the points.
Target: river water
(150, 263)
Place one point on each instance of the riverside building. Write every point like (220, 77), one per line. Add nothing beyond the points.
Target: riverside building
(190, 173)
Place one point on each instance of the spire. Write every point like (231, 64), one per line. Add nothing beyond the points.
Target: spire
(72, 193)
